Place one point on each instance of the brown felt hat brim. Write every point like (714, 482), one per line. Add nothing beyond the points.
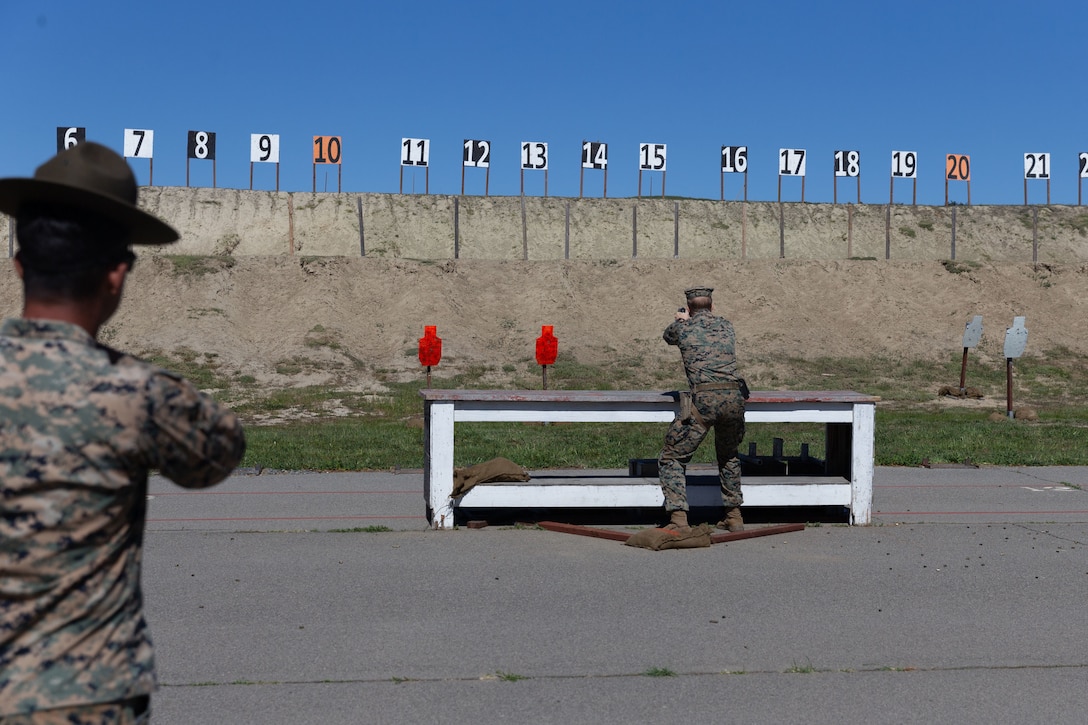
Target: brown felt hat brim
(143, 228)
(92, 178)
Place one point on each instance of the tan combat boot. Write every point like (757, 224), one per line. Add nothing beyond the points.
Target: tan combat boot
(678, 521)
(733, 521)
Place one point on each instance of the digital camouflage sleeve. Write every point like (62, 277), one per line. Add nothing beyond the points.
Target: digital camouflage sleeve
(81, 426)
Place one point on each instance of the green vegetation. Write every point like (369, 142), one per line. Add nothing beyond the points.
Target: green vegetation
(959, 267)
(327, 427)
(908, 232)
(193, 265)
(659, 672)
(1078, 223)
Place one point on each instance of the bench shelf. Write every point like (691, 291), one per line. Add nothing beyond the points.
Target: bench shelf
(848, 417)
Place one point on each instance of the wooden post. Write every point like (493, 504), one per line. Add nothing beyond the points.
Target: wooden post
(963, 373)
(362, 245)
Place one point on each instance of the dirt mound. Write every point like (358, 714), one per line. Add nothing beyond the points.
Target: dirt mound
(290, 321)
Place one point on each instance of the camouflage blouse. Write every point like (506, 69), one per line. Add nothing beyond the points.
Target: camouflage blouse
(707, 346)
(80, 426)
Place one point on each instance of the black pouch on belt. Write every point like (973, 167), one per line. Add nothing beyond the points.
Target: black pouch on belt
(743, 388)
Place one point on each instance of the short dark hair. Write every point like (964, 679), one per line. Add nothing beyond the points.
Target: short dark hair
(699, 303)
(65, 251)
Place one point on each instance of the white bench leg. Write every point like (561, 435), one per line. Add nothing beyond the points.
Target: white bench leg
(438, 463)
(861, 463)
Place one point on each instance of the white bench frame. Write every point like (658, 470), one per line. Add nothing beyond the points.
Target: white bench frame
(849, 419)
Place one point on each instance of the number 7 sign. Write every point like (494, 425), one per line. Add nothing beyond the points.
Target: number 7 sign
(139, 143)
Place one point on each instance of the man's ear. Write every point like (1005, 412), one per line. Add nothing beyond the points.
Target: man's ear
(115, 278)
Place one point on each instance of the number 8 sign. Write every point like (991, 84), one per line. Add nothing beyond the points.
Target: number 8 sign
(202, 145)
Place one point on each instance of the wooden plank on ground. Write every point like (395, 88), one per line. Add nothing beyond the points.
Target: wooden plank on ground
(613, 535)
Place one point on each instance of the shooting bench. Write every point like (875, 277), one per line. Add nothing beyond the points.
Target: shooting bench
(848, 417)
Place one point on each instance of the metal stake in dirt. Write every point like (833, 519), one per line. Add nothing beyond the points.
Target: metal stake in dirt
(1016, 339)
(430, 349)
(547, 347)
(971, 337)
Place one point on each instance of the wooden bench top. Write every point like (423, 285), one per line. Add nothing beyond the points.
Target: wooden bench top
(607, 397)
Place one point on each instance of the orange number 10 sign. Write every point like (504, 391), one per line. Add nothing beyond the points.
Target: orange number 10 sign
(327, 151)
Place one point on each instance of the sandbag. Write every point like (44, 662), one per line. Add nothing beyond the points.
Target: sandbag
(495, 470)
(659, 539)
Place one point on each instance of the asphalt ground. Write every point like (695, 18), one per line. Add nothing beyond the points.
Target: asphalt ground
(269, 601)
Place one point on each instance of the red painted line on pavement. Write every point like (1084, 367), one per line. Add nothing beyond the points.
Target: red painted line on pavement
(973, 513)
(958, 485)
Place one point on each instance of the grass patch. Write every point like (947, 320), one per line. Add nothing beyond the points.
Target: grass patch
(959, 267)
(335, 429)
(194, 265)
(659, 672)
(375, 529)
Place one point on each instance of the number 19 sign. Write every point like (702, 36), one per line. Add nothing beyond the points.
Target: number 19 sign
(904, 166)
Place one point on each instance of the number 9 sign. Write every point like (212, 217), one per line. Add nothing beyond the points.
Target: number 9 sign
(264, 148)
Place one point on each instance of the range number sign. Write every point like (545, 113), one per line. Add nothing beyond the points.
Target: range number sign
(534, 155)
(477, 154)
(791, 162)
(139, 143)
(594, 155)
(651, 157)
(415, 151)
(734, 159)
(264, 148)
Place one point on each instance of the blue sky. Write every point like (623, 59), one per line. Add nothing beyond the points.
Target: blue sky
(993, 80)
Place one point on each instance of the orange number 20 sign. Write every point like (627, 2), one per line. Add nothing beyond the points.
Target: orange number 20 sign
(957, 167)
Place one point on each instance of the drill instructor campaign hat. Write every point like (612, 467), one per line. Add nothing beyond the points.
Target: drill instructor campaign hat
(93, 178)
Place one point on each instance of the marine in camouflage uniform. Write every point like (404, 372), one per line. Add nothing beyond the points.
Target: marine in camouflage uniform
(81, 425)
(708, 349)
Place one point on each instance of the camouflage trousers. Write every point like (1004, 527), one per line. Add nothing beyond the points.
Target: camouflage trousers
(722, 411)
(136, 711)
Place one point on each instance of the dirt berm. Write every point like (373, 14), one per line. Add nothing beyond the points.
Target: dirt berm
(299, 317)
